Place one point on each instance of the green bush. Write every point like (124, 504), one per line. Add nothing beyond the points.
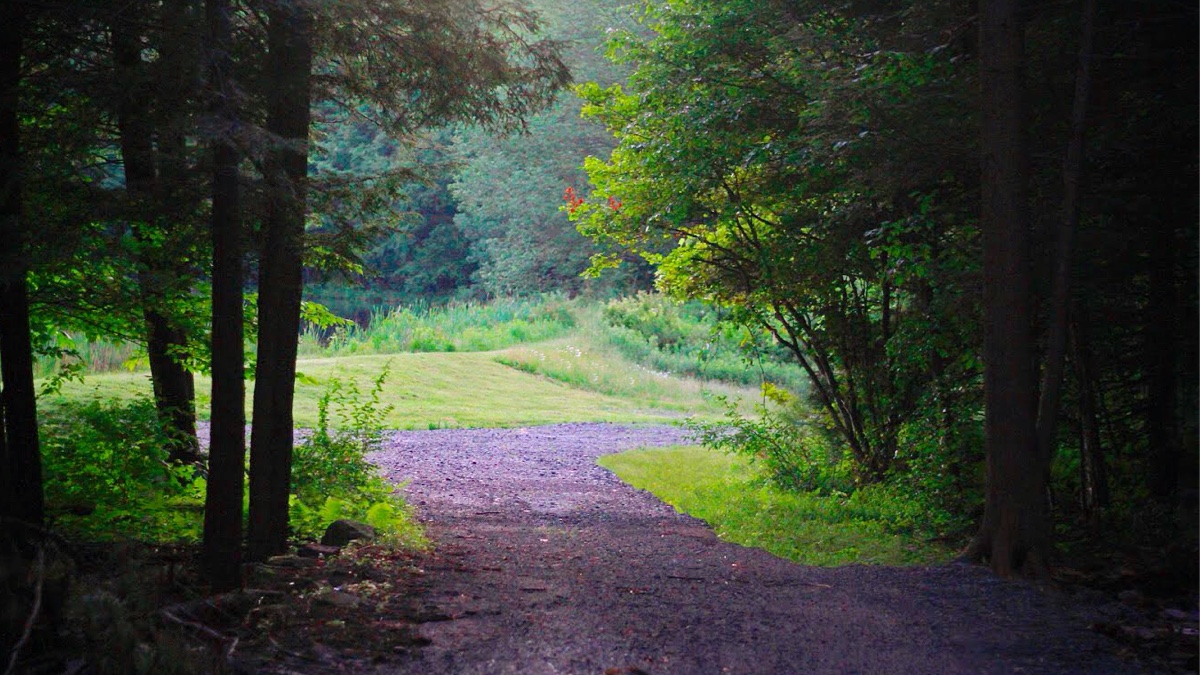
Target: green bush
(692, 339)
(783, 440)
(331, 477)
(106, 473)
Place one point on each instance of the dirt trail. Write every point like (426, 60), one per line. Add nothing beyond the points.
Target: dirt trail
(547, 563)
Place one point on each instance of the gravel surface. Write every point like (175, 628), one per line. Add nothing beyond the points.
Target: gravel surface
(547, 563)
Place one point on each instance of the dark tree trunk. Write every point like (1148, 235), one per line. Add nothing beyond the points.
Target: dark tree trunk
(222, 546)
(21, 481)
(174, 388)
(290, 54)
(1093, 476)
(1054, 362)
(1162, 345)
(1014, 535)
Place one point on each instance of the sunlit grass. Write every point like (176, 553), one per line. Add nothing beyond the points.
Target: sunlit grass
(726, 492)
(587, 363)
(426, 390)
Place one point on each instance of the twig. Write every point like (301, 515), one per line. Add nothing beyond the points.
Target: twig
(33, 614)
(682, 578)
(226, 643)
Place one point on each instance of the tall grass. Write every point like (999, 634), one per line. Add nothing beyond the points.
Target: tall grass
(101, 356)
(690, 339)
(457, 326)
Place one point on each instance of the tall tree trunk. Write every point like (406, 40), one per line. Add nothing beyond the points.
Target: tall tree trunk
(1161, 349)
(222, 545)
(1015, 534)
(174, 388)
(1094, 497)
(290, 54)
(1056, 340)
(21, 480)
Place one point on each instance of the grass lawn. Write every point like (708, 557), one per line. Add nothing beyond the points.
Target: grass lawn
(725, 492)
(456, 389)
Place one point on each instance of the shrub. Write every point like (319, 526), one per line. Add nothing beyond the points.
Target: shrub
(331, 476)
(693, 339)
(106, 473)
(783, 440)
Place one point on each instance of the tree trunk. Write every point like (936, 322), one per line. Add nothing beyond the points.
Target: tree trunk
(290, 54)
(1053, 364)
(21, 480)
(1093, 477)
(1161, 348)
(1014, 535)
(222, 546)
(174, 388)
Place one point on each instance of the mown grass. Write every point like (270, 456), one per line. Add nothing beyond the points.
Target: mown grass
(426, 391)
(868, 527)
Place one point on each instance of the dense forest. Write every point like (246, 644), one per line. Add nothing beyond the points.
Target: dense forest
(972, 226)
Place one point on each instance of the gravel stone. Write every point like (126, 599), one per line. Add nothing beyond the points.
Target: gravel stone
(547, 563)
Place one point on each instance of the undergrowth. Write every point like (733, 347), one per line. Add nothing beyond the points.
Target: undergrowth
(106, 473)
(331, 477)
(107, 477)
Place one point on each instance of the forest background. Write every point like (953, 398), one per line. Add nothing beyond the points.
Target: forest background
(807, 176)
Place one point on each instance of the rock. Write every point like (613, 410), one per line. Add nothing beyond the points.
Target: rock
(342, 532)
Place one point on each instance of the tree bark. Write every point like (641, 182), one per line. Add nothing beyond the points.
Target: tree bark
(22, 461)
(1093, 483)
(1014, 535)
(290, 54)
(222, 545)
(174, 387)
(1054, 362)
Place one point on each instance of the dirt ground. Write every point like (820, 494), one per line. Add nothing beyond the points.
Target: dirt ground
(547, 563)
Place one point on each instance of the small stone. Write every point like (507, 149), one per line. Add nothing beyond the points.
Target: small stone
(342, 532)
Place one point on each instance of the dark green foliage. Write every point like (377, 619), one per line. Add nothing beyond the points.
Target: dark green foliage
(107, 474)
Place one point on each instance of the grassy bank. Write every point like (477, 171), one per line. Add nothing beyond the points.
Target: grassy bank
(869, 527)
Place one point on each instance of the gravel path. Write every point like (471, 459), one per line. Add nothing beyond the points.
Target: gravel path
(547, 563)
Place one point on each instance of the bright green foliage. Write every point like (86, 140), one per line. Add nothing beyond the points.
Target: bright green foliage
(757, 169)
(877, 525)
(695, 340)
(458, 326)
(331, 477)
(785, 439)
(107, 475)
